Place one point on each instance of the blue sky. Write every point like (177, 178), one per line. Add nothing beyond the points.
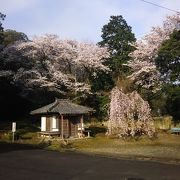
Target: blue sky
(81, 19)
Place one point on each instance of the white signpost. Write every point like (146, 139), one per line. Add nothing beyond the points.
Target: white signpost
(13, 130)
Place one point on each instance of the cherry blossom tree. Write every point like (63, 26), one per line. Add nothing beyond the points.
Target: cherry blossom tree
(129, 115)
(56, 64)
(143, 65)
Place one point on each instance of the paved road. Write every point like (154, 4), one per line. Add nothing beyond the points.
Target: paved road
(32, 164)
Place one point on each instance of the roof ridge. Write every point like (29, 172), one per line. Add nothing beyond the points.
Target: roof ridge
(53, 106)
(56, 102)
(62, 99)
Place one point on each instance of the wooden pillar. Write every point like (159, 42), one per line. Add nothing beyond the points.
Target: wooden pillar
(62, 130)
(82, 124)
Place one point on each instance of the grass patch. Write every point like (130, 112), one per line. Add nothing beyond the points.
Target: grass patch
(166, 146)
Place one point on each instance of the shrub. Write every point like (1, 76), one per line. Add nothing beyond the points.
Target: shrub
(163, 123)
(96, 130)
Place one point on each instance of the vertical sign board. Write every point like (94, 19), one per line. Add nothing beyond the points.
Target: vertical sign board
(13, 130)
(14, 127)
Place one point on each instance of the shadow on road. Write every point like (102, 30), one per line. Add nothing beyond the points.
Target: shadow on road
(8, 147)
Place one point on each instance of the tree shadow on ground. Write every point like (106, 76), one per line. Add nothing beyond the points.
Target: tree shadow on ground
(6, 147)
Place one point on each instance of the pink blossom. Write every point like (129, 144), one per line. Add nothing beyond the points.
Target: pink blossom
(129, 115)
(145, 72)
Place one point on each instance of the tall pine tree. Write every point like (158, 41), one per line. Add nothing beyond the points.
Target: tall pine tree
(117, 36)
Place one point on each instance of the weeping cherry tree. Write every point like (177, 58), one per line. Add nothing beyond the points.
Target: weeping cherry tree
(129, 115)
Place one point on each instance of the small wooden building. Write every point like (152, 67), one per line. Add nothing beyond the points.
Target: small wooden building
(63, 118)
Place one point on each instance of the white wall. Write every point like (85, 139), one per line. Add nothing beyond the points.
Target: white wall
(54, 124)
(43, 123)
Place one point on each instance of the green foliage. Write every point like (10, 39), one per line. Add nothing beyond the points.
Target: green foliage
(11, 36)
(117, 36)
(168, 59)
(13, 105)
(19, 133)
(44, 144)
(2, 17)
(9, 93)
(94, 130)
(102, 82)
(173, 101)
(164, 102)
(66, 145)
(6, 136)
(157, 101)
(100, 103)
(103, 106)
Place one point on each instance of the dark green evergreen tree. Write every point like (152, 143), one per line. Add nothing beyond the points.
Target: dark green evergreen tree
(117, 36)
(168, 63)
(2, 16)
(168, 59)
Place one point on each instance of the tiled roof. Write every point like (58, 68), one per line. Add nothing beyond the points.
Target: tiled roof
(62, 106)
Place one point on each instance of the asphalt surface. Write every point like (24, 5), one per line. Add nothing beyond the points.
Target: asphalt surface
(26, 163)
